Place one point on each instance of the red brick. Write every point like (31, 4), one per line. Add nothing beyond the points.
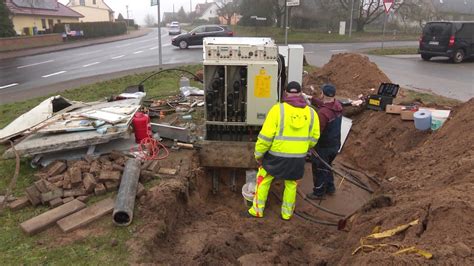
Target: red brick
(74, 192)
(19, 204)
(55, 203)
(51, 195)
(56, 178)
(89, 182)
(56, 168)
(69, 199)
(41, 186)
(76, 175)
(34, 196)
(83, 198)
(110, 176)
(111, 185)
(100, 189)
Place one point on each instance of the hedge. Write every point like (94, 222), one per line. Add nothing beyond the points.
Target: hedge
(95, 29)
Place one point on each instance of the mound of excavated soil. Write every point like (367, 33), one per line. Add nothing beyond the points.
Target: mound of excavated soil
(353, 74)
(432, 180)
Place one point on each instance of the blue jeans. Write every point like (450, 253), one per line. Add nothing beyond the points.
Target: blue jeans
(323, 177)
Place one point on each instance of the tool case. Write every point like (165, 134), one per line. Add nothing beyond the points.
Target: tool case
(385, 95)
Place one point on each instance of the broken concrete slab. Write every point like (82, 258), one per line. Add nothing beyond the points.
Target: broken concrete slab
(19, 204)
(86, 216)
(44, 220)
(33, 195)
(110, 176)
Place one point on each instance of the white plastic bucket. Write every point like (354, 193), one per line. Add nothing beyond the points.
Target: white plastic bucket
(248, 192)
(437, 121)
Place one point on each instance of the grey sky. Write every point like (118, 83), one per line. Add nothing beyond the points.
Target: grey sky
(138, 9)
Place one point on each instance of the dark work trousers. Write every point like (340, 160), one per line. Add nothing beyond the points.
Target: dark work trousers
(323, 177)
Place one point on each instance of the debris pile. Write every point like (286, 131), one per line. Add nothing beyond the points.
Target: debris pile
(63, 181)
(353, 74)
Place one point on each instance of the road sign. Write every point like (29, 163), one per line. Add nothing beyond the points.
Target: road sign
(154, 2)
(292, 2)
(388, 4)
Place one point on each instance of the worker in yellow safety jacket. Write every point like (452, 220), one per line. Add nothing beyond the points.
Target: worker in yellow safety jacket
(290, 129)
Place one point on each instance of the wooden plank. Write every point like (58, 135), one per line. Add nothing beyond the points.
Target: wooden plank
(87, 215)
(44, 220)
(19, 204)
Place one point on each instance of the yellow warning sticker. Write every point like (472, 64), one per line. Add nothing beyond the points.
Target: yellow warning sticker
(262, 84)
(374, 102)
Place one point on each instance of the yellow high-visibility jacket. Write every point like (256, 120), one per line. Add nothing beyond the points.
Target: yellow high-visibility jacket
(288, 132)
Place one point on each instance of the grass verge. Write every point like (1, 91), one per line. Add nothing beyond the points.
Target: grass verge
(313, 36)
(394, 51)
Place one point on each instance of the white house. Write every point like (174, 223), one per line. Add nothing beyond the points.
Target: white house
(209, 10)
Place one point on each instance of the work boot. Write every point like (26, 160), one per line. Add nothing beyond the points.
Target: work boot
(331, 192)
(313, 196)
(246, 214)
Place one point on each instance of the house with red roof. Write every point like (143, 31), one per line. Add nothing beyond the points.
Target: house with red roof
(31, 17)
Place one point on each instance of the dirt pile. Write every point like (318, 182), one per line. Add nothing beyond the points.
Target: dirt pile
(431, 180)
(353, 74)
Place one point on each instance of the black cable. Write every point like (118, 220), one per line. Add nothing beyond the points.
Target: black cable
(320, 207)
(168, 70)
(307, 217)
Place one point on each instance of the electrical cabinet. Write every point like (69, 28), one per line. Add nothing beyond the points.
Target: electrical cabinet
(241, 77)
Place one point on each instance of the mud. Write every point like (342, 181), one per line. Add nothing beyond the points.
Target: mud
(423, 175)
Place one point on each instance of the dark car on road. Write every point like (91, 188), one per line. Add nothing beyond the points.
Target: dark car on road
(196, 36)
(453, 39)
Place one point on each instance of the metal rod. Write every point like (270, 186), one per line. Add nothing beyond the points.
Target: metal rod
(125, 202)
(160, 56)
(286, 22)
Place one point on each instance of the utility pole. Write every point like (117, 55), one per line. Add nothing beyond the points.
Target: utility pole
(352, 16)
(160, 57)
(127, 18)
(190, 6)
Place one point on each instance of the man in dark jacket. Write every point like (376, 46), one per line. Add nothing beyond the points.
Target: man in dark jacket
(330, 118)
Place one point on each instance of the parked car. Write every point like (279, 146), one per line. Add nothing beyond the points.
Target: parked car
(174, 23)
(174, 30)
(453, 39)
(196, 36)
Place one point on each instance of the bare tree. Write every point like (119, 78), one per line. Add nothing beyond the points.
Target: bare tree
(366, 11)
(150, 20)
(227, 10)
(418, 11)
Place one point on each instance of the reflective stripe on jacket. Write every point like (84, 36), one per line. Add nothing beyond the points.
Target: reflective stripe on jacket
(288, 132)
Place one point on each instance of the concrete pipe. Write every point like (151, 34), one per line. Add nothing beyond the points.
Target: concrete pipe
(125, 202)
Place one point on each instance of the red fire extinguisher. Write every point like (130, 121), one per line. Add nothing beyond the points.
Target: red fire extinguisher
(141, 125)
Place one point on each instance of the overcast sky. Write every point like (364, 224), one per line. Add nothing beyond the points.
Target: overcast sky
(138, 9)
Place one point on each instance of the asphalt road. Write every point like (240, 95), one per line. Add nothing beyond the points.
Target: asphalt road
(438, 75)
(27, 74)
(32, 76)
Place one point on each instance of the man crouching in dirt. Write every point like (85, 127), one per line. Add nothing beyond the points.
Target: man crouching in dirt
(289, 131)
(330, 119)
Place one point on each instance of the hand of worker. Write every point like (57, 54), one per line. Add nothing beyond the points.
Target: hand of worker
(307, 97)
(259, 161)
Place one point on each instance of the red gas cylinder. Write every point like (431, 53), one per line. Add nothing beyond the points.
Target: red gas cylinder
(141, 124)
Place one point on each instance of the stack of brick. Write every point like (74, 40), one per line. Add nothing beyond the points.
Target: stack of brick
(63, 181)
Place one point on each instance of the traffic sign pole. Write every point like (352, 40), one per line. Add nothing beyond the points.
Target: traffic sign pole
(387, 4)
(160, 48)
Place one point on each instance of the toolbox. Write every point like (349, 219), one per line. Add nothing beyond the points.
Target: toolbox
(384, 96)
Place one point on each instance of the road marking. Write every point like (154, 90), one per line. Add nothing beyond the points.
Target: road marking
(154, 48)
(338, 51)
(54, 74)
(35, 64)
(8, 86)
(91, 52)
(164, 45)
(117, 57)
(91, 64)
(138, 52)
